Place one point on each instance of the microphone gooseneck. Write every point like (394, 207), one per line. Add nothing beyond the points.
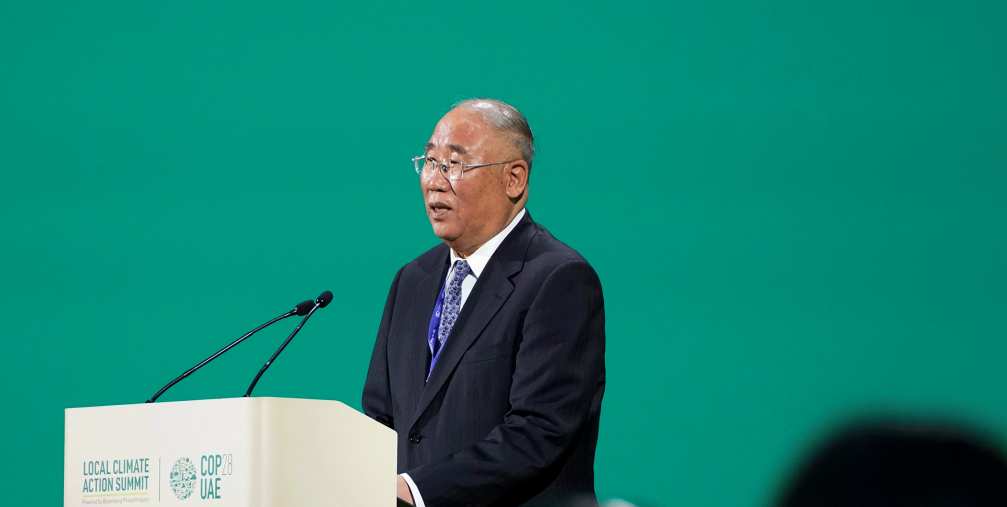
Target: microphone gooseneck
(302, 308)
(321, 302)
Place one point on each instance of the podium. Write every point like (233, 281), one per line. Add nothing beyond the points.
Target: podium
(235, 452)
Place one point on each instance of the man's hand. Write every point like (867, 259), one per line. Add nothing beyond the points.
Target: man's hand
(403, 491)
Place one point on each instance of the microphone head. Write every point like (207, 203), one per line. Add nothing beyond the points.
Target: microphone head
(324, 299)
(304, 307)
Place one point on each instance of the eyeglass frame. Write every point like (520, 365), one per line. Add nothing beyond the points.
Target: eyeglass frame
(461, 174)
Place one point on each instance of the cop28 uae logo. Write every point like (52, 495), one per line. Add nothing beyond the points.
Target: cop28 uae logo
(183, 478)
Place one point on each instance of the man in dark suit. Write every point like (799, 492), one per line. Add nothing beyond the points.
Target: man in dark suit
(489, 360)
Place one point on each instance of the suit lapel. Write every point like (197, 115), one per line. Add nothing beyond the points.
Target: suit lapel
(417, 350)
(489, 294)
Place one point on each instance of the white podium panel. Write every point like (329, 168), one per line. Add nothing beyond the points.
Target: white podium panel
(254, 452)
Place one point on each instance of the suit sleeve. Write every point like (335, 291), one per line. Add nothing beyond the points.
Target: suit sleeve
(559, 375)
(377, 397)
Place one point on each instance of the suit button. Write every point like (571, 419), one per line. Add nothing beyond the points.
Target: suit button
(415, 438)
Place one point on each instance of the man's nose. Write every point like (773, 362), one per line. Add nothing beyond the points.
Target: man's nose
(436, 182)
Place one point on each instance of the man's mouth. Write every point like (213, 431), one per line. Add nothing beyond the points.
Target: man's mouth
(438, 209)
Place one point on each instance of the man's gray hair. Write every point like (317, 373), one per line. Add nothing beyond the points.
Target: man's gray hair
(504, 118)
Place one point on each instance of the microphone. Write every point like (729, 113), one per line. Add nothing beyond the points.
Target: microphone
(302, 308)
(322, 301)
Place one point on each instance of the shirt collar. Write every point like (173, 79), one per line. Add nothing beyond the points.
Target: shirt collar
(478, 260)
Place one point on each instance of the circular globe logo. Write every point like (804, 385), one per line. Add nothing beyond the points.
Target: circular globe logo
(182, 478)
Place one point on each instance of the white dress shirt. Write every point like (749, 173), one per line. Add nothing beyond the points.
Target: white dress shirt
(477, 263)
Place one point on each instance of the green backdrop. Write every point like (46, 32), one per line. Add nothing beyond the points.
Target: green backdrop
(797, 209)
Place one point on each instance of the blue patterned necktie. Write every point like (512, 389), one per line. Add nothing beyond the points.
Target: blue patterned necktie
(447, 312)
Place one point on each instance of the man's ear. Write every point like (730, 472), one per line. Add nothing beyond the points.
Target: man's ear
(517, 179)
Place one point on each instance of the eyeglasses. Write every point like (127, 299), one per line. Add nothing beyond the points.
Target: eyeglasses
(427, 166)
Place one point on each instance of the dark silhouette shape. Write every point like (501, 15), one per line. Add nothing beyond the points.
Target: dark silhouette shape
(901, 465)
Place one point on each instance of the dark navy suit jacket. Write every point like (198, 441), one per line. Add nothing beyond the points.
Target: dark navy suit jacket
(509, 415)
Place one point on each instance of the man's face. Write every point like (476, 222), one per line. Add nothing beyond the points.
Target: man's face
(468, 212)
